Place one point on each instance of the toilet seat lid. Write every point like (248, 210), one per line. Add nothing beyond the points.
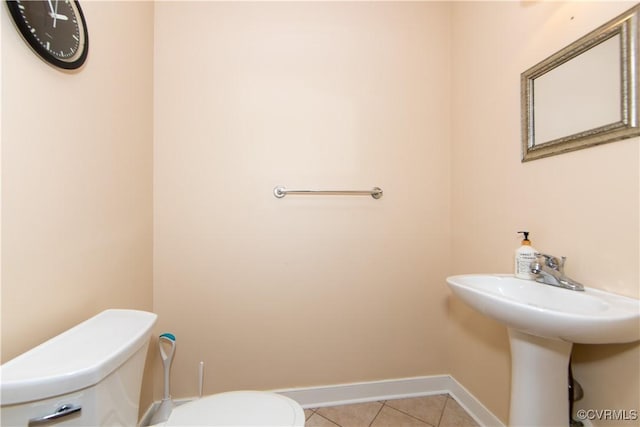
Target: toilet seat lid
(239, 408)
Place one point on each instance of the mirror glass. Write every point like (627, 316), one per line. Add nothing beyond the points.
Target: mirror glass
(589, 83)
(584, 95)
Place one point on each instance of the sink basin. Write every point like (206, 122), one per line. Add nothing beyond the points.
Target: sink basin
(543, 323)
(589, 317)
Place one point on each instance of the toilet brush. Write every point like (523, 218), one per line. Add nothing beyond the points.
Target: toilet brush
(164, 410)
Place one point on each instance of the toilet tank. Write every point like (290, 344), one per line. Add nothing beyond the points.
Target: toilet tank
(90, 375)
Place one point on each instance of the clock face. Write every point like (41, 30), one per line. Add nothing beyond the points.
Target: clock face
(55, 29)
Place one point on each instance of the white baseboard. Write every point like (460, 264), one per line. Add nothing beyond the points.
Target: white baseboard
(343, 394)
(151, 410)
(473, 406)
(146, 417)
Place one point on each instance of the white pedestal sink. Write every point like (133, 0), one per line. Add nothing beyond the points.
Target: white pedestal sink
(544, 321)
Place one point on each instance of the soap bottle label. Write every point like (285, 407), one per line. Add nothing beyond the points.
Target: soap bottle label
(523, 265)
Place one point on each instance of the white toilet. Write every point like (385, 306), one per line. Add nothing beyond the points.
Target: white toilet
(91, 375)
(238, 408)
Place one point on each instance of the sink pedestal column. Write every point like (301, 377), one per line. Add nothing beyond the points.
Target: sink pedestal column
(539, 381)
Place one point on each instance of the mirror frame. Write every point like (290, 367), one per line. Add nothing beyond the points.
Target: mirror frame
(625, 25)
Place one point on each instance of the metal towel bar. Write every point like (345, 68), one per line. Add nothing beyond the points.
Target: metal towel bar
(376, 192)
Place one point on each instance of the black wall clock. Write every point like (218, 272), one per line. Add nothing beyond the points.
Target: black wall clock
(55, 29)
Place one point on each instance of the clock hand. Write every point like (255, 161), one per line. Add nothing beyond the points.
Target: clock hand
(55, 12)
(59, 16)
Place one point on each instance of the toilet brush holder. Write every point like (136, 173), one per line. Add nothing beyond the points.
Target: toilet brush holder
(167, 341)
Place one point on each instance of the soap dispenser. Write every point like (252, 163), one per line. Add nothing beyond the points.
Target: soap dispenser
(525, 255)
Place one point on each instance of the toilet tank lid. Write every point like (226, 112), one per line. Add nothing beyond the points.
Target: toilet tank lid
(77, 358)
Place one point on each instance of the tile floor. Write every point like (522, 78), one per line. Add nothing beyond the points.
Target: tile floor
(430, 411)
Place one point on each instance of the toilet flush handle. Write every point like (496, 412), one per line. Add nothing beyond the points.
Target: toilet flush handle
(62, 411)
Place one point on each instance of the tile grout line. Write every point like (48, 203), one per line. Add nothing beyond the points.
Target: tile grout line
(444, 408)
(328, 419)
(377, 413)
(416, 418)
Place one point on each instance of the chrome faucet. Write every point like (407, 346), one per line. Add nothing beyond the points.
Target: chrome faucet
(549, 270)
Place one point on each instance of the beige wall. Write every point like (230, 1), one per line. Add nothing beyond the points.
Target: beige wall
(583, 205)
(301, 291)
(76, 177)
(305, 291)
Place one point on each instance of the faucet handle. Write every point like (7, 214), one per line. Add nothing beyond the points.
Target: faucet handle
(552, 262)
(535, 267)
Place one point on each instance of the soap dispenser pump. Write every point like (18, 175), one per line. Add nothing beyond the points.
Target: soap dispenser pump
(525, 255)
